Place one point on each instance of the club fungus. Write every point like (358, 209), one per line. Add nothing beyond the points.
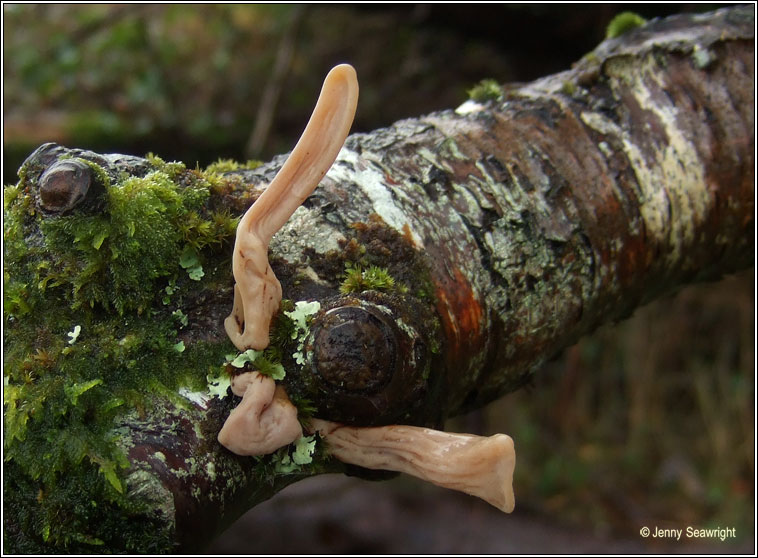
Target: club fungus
(257, 292)
(266, 420)
(477, 465)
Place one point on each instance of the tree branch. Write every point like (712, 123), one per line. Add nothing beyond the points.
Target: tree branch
(482, 241)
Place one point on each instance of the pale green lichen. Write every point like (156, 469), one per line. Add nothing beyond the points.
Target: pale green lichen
(181, 317)
(190, 261)
(703, 57)
(291, 458)
(210, 470)
(74, 334)
(261, 361)
(218, 384)
(300, 316)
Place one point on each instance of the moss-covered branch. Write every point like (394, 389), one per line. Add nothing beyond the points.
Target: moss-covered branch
(477, 242)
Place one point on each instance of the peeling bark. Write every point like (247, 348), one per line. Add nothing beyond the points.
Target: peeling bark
(516, 225)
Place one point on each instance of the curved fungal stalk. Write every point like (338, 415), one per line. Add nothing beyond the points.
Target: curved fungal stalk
(477, 465)
(264, 421)
(257, 292)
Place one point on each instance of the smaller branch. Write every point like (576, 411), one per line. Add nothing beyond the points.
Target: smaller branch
(267, 106)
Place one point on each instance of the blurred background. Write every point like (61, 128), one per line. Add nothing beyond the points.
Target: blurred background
(647, 422)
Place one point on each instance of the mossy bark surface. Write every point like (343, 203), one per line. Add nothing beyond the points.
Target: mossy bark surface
(479, 241)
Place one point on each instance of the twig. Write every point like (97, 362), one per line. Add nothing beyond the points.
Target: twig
(271, 94)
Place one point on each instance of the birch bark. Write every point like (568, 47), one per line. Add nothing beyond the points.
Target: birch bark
(515, 225)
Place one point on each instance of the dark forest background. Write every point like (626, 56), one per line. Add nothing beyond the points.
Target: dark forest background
(647, 422)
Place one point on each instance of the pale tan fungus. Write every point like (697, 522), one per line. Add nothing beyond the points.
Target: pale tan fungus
(265, 419)
(477, 465)
(257, 292)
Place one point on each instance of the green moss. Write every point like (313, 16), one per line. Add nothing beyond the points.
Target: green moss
(373, 278)
(99, 324)
(93, 305)
(228, 165)
(622, 23)
(172, 169)
(486, 90)
(101, 176)
(116, 260)
(96, 520)
(568, 88)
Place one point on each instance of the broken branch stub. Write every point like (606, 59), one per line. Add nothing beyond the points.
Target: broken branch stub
(257, 292)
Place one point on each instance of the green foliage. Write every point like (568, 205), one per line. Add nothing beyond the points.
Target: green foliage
(486, 90)
(622, 23)
(190, 261)
(262, 361)
(127, 73)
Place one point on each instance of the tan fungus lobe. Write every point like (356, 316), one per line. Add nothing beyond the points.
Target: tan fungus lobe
(264, 421)
(477, 465)
(257, 292)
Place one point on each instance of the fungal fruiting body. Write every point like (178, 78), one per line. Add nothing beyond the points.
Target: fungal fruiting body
(257, 292)
(266, 420)
(477, 465)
